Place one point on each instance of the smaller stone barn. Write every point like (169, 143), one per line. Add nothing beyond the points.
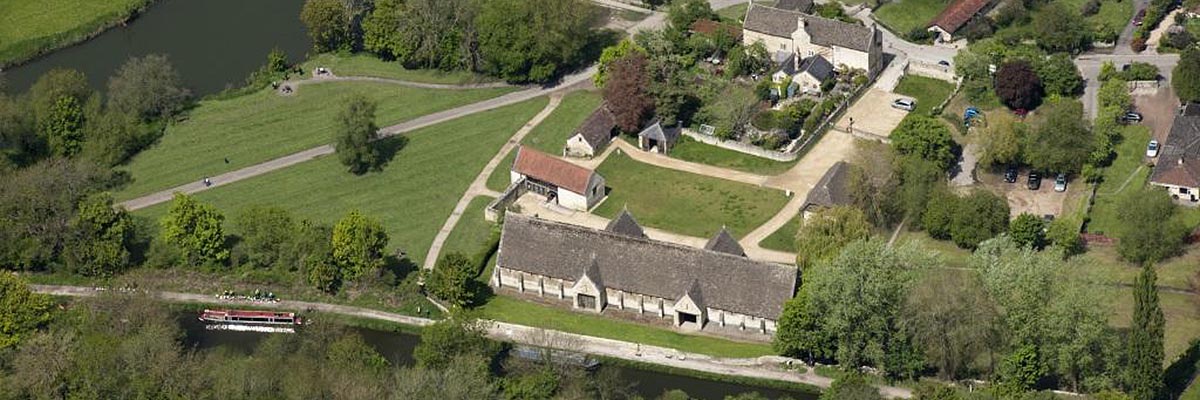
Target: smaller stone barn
(561, 182)
(657, 139)
(832, 190)
(956, 15)
(619, 269)
(593, 135)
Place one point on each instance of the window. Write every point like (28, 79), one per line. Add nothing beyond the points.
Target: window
(1183, 190)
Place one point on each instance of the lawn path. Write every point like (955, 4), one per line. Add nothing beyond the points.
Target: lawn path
(571, 82)
(1124, 184)
(479, 185)
(765, 367)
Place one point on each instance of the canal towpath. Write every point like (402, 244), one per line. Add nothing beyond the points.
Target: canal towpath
(765, 367)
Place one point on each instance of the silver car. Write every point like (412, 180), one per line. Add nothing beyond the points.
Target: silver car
(904, 104)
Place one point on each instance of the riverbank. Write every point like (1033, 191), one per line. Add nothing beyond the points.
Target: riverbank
(30, 29)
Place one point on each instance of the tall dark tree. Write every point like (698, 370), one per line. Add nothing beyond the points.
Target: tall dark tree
(355, 136)
(532, 40)
(683, 13)
(627, 91)
(1185, 79)
(1060, 142)
(101, 237)
(925, 138)
(19, 142)
(328, 23)
(979, 216)
(1061, 29)
(148, 87)
(266, 233)
(38, 203)
(452, 278)
(1018, 86)
(1145, 380)
(952, 319)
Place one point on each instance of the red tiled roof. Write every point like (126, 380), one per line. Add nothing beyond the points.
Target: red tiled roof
(547, 168)
(1186, 173)
(957, 14)
(709, 27)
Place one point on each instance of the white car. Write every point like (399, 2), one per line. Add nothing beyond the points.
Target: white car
(904, 104)
(1152, 149)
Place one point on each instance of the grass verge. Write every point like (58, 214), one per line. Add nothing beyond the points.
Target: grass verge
(783, 239)
(905, 15)
(738, 380)
(29, 28)
(472, 231)
(551, 135)
(929, 92)
(369, 65)
(682, 202)
(1127, 172)
(689, 149)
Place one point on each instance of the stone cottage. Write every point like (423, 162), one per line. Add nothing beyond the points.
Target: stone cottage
(832, 190)
(843, 44)
(620, 270)
(561, 182)
(593, 135)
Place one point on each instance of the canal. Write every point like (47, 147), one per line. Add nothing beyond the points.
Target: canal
(397, 348)
(214, 44)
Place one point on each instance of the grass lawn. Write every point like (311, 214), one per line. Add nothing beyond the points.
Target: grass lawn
(1127, 166)
(950, 254)
(682, 202)
(1179, 310)
(551, 135)
(261, 126)
(369, 65)
(929, 92)
(903, 16)
(412, 196)
(1113, 13)
(472, 231)
(736, 13)
(1101, 264)
(508, 309)
(689, 149)
(783, 239)
(500, 178)
(28, 27)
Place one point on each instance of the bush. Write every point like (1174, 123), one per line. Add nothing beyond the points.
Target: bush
(771, 120)
(1012, 13)
(1090, 8)
(919, 35)
(1138, 45)
(1140, 71)
(978, 28)
(1180, 40)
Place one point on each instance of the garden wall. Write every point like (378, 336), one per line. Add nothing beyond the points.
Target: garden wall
(930, 70)
(740, 147)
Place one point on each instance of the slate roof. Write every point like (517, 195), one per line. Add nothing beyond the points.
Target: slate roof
(624, 224)
(657, 132)
(696, 293)
(723, 242)
(804, 6)
(832, 189)
(592, 272)
(597, 128)
(957, 14)
(645, 266)
(1179, 160)
(817, 67)
(547, 168)
(824, 32)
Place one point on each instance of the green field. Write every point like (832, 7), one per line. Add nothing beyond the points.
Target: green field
(551, 135)
(1126, 167)
(500, 178)
(412, 196)
(472, 231)
(689, 149)
(28, 27)
(369, 65)
(783, 239)
(929, 92)
(736, 13)
(682, 202)
(1113, 13)
(258, 127)
(902, 16)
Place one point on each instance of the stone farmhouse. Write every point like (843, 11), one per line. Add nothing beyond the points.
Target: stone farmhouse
(955, 16)
(1178, 168)
(593, 135)
(561, 182)
(618, 269)
(832, 190)
(793, 36)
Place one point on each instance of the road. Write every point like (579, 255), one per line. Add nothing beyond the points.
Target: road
(1126, 36)
(902, 48)
(1089, 69)
(765, 367)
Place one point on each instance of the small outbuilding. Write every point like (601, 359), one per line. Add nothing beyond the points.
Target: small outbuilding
(593, 135)
(956, 15)
(561, 182)
(658, 139)
(832, 190)
(812, 73)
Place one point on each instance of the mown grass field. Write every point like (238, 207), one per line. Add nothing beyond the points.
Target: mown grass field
(472, 231)
(500, 178)
(682, 202)
(902, 16)
(30, 27)
(688, 149)
(929, 92)
(369, 65)
(551, 135)
(783, 239)
(1127, 173)
(412, 196)
(261, 126)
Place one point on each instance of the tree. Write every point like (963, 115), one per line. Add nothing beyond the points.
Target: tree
(938, 216)
(21, 310)
(1027, 230)
(265, 233)
(147, 87)
(851, 386)
(925, 138)
(683, 13)
(1060, 142)
(328, 23)
(627, 92)
(823, 234)
(323, 273)
(1185, 78)
(874, 183)
(54, 85)
(101, 237)
(441, 34)
(800, 332)
(19, 142)
(1147, 228)
(63, 127)
(453, 337)
(1059, 75)
(979, 216)
(610, 55)
(746, 60)
(952, 320)
(381, 28)
(919, 179)
(451, 279)
(1001, 142)
(356, 135)
(1064, 234)
(38, 203)
(1145, 380)
(195, 229)
(532, 40)
(1018, 85)
(358, 244)
(1060, 29)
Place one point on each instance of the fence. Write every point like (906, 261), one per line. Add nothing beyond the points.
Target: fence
(930, 70)
(740, 147)
(1135, 85)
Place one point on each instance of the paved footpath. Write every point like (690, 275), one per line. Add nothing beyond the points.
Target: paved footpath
(765, 367)
(479, 185)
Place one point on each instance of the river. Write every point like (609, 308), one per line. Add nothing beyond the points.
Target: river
(397, 348)
(214, 44)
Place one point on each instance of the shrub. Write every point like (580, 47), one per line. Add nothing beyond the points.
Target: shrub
(771, 119)
(1090, 8)
(1140, 71)
(919, 35)
(1138, 45)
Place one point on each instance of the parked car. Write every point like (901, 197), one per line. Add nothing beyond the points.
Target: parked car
(1131, 116)
(944, 63)
(1010, 174)
(1034, 182)
(1060, 182)
(1137, 19)
(904, 104)
(1152, 149)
